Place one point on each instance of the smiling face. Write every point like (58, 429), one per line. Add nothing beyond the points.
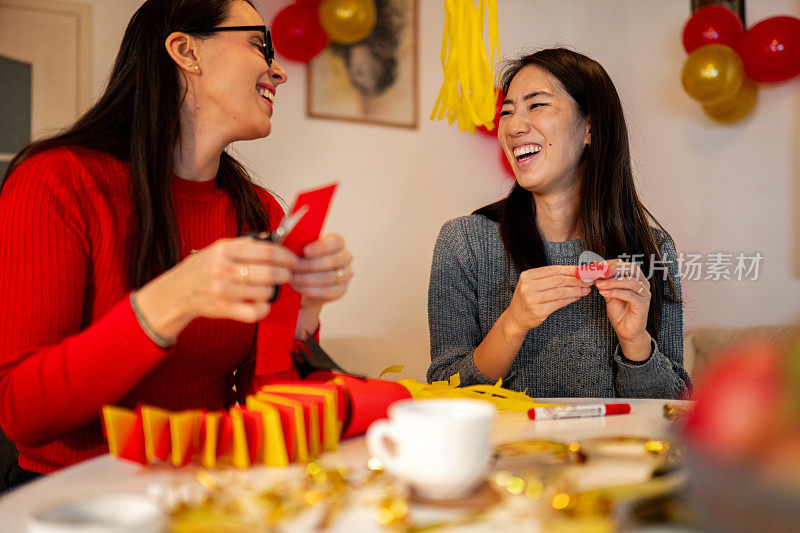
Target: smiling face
(542, 132)
(235, 89)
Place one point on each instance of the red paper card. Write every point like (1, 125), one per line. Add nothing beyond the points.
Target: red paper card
(275, 338)
(308, 228)
(592, 271)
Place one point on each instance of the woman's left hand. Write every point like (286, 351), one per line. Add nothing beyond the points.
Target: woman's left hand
(627, 295)
(324, 271)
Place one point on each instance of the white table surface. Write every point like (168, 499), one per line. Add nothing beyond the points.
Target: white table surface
(105, 474)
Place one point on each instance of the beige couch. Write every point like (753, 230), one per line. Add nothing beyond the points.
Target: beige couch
(702, 345)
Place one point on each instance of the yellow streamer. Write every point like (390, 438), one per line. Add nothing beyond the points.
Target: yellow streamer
(394, 369)
(504, 399)
(468, 92)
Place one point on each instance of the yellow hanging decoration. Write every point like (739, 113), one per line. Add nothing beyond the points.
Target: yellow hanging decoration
(468, 92)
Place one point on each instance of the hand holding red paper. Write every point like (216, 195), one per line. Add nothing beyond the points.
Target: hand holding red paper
(627, 295)
(541, 291)
(287, 318)
(323, 273)
(231, 278)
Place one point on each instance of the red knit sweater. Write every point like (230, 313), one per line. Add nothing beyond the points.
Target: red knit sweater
(69, 341)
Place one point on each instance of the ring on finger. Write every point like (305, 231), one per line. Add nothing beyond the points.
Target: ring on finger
(244, 274)
(339, 275)
(640, 292)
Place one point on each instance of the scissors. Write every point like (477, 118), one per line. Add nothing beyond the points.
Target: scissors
(284, 228)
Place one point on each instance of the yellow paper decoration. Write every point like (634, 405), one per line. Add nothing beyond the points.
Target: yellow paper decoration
(209, 455)
(468, 92)
(394, 369)
(119, 424)
(330, 422)
(504, 399)
(274, 452)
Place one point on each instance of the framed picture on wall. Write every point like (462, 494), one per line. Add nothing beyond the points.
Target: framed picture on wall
(372, 81)
(737, 6)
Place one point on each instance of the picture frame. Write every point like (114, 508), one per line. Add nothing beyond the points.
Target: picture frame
(373, 81)
(737, 6)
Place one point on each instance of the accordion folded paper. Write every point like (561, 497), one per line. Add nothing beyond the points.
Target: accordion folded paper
(286, 422)
(328, 423)
(157, 439)
(293, 420)
(124, 433)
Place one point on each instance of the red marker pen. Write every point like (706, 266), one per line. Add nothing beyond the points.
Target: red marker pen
(578, 411)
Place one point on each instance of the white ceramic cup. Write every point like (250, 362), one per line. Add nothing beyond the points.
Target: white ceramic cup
(440, 447)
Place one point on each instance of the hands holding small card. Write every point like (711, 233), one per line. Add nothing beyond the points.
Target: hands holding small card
(542, 291)
(627, 295)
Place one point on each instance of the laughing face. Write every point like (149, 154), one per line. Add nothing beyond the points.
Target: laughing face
(542, 132)
(236, 89)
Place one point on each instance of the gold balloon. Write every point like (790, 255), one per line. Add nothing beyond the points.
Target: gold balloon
(713, 73)
(736, 107)
(347, 21)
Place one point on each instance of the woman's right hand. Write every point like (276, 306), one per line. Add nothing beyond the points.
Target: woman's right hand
(231, 278)
(542, 291)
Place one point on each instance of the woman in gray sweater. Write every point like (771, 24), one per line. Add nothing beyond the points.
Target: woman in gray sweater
(505, 298)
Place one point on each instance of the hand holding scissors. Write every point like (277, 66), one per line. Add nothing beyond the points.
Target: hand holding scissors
(284, 228)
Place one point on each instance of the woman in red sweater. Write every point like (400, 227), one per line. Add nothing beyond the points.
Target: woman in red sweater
(124, 276)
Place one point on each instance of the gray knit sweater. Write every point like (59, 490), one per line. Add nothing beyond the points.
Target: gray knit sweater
(573, 353)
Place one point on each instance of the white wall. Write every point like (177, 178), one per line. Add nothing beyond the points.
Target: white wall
(716, 188)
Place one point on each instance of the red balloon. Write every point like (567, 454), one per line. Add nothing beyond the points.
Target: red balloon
(507, 165)
(497, 106)
(770, 50)
(712, 25)
(297, 34)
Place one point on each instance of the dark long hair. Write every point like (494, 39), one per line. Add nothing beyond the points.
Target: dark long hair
(613, 217)
(136, 120)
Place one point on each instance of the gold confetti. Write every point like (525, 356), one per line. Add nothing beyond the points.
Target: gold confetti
(560, 501)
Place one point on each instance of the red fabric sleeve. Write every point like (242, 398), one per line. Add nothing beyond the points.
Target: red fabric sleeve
(56, 373)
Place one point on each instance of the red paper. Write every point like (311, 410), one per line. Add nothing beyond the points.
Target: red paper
(224, 433)
(133, 449)
(276, 331)
(254, 431)
(369, 399)
(286, 414)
